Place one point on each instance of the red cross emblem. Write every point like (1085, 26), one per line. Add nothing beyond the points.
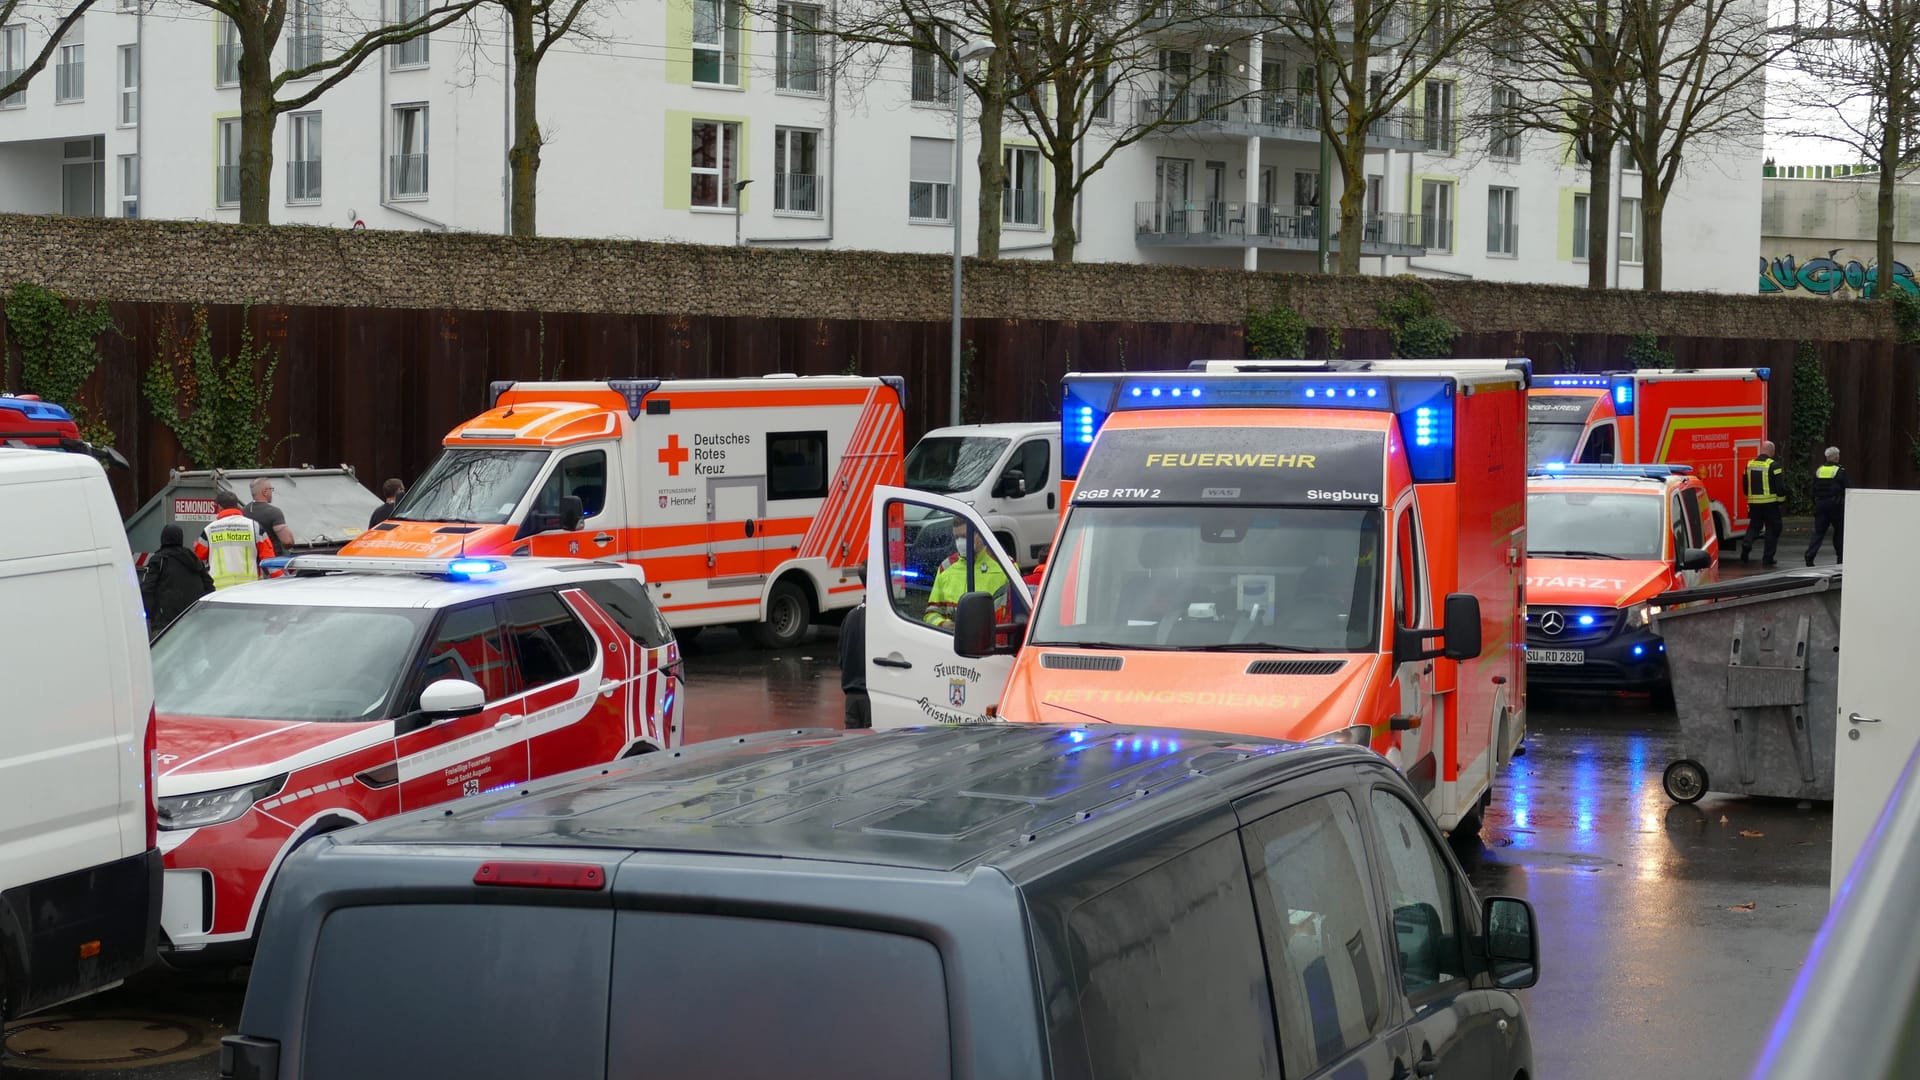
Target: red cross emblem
(673, 455)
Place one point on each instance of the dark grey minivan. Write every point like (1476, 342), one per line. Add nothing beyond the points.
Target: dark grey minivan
(993, 902)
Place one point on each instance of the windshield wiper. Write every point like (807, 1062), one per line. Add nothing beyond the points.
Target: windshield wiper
(1246, 646)
(1077, 712)
(1576, 554)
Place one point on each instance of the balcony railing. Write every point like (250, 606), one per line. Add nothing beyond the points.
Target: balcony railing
(932, 83)
(303, 181)
(796, 193)
(229, 60)
(1242, 224)
(227, 179)
(70, 81)
(7, 75)
(408, 174)
(1275, 113)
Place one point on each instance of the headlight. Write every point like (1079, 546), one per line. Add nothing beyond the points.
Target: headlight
(1357, 735)
(1641, 614)
(215, 807)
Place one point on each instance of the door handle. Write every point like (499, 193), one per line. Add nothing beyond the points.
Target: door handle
(603, 539)
(508, 722)
(1856, 718)
(608, 686)
(892, 662)
(1426, 1066)
(749, 528)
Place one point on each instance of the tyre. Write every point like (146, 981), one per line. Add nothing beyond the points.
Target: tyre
(789, 613)
(687, 633)
(1685, 781)
(1470, 822)
(1663, 697)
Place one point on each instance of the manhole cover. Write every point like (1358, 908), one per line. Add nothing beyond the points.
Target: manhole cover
(90, 1042)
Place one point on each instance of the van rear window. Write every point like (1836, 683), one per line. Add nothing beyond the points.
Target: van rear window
(474, 991)
(718, 996)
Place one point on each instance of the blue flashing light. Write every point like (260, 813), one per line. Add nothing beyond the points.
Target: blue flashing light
(34, 409)
(1155, 392)
(473, 568)
(1425, 410)
(1639, 650)
(1573, 382)
(1623, 395)
(1076, 736)
(1585, 620)
(1612, 472)
(906, 573)
(1173, 746)
(1136, 744)
(1663, 646)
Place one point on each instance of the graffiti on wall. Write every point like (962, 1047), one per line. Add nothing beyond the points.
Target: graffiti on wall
(1826, 275)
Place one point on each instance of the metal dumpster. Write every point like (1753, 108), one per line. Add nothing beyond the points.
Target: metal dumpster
(1756, 673)
(325, 508)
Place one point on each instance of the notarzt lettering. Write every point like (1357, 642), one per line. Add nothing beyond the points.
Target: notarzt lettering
(1230, 461)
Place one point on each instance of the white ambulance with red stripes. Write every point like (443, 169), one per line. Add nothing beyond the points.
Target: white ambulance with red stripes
(353, 689)
(744, 499)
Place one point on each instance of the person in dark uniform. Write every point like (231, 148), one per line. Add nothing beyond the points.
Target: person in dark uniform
(1829, 505)
(390, 493)
(1766, 481)
(853, 665)
(171, 581)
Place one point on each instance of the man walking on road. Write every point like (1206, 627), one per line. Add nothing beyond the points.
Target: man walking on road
(1829, 505)
(1766, 482)
(853, 666)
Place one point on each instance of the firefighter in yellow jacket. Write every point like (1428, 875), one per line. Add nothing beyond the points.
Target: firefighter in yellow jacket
(952, 582)
(1766, 483)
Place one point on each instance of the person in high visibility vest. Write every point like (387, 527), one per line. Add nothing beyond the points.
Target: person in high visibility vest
(1766, 482)
(1829, 505)
(232, 545)
(951, 583)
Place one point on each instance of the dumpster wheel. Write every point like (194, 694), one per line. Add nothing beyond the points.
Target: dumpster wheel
(1685, 781)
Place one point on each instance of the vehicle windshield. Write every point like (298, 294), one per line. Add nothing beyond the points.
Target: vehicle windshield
(281, 662)
(1227, 578)
(1548, 442)
(1594, 525)
(948, 464)
(479, 486)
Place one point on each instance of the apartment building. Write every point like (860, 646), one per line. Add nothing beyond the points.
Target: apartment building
(694, 120)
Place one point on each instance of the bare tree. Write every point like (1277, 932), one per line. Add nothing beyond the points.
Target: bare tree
(55, 19)
(318, 52)
(1370, 55)
(1855, 82)
(1699, 70)
(535, 26)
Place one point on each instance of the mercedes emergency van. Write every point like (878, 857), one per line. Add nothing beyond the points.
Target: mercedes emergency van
(1009, 472)
(745, 500)
(1711, 420)
(79, 868)
(1296, 550)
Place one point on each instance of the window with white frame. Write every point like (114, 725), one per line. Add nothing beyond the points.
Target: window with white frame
(1630, 231)
(129, 185)
(716, 42)
(70, 68)
(1503, 229)
(129, 85)
(129, 5)
(1505, 143)
(1100, 98)
(1623, 148)
(932, 79)
(1438, 116)
(796, 56)
(930, 180)
(411, 53)
(796, 176)
(716, 157)
(303, 157)
(408, 168)
(1582, 203)
(303, 33)
(83, 177)
(1436, 216)
(227, 172)
(13, 60)
(1020, 188)
(227, 58)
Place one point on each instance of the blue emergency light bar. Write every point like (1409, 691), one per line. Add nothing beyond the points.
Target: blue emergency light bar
(1423, 407)
(1612, 472)
(1572, 382)
(35, 410)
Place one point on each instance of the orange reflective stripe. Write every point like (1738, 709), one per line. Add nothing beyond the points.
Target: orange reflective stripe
(763, 399)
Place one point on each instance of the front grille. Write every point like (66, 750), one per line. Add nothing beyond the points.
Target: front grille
(1295, 667)
(1079, 662)
(1605, 620)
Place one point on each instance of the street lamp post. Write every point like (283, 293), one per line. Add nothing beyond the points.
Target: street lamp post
(738, 187)
(962, 53)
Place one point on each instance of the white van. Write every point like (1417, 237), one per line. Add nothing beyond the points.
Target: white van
(79, 871)
(1009, 473)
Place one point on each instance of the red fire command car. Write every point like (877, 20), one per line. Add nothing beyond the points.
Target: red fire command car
(354, 689)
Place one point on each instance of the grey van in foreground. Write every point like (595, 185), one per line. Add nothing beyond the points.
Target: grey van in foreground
(990, 901)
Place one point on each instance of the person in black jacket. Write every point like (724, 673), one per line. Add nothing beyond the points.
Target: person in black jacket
(172, 581)
(1829, 491)
(853, 666)
(390, 493)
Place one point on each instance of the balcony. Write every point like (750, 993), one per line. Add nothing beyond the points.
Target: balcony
(1282, 226)
(1286, 115)
(227, 181)
(1202, 18)
(70, 81)
(408, 175)
(303, 181)
(796, 193)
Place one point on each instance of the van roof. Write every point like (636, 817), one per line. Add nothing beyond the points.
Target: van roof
(405, 590)
(18, 466)
(937, 798)
(1007, 430)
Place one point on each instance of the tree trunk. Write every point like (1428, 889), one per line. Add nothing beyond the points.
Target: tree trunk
(256, 122)
(523, 160)
(1883, 287)
(1065, 191)
(1599, 209)
(1353, 193)
(993, 171)
(1653, 208)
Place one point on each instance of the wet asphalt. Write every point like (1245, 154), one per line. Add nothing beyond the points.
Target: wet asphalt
(1670, 933)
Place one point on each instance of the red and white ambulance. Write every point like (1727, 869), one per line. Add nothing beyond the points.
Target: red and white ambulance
(744, 499)
(359, 688)
(1295, 550)
(1711, 420)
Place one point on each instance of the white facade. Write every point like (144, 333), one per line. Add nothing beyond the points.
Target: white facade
(417, 139)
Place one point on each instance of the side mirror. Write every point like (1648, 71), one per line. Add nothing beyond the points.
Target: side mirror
(1461, 631)
(1696, 559)
(572, 512)
(443, 699)
(973, 625)
(1512, 943)
(1012, 485)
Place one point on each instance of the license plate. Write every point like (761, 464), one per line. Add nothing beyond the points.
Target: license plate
(1556, 656)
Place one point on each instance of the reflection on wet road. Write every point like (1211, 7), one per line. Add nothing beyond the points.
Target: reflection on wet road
(1670, 933)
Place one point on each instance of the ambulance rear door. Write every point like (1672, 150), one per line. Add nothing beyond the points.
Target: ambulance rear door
(1711, 421)
(913, 675)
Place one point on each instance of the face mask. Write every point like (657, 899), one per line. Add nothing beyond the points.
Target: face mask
(960, 546)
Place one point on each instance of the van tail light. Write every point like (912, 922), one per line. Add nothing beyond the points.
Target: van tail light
(151, 746)
(541, 875)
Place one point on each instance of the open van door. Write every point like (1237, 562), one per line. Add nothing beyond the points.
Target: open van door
(913, 674)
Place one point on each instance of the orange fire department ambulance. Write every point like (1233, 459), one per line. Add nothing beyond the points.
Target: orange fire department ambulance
(1709, 419)
(1301, 550)
(744, 500)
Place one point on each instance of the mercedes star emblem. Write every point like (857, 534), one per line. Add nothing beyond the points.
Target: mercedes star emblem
(1552, 623)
